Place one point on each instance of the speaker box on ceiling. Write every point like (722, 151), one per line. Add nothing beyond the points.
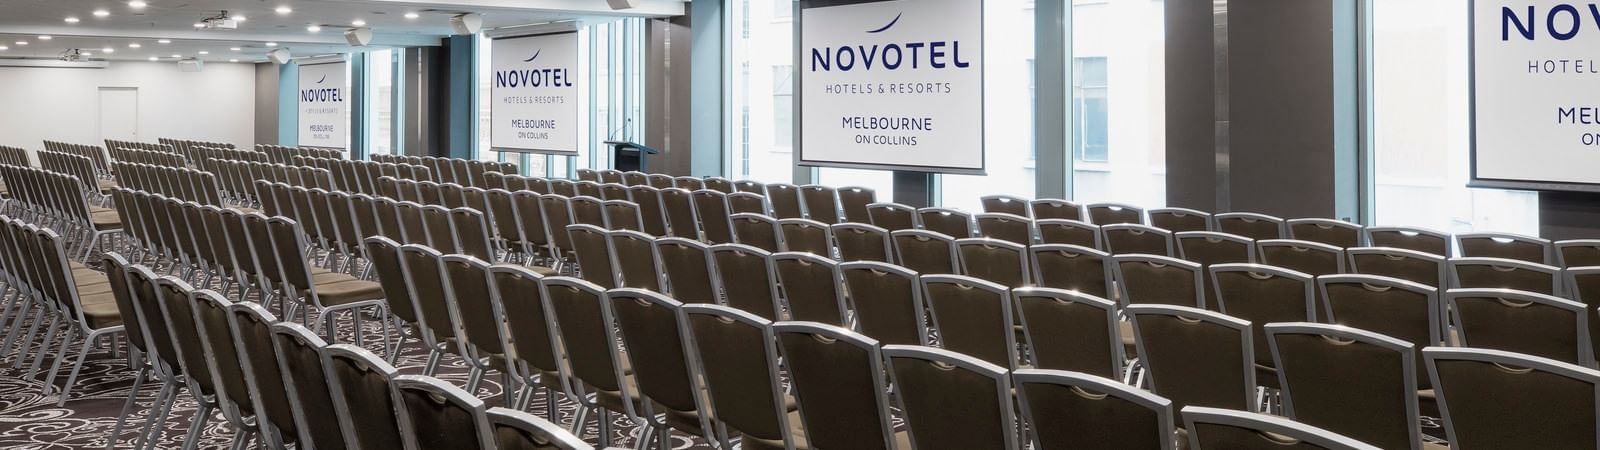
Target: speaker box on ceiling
(359, 37)
(623, 4)
(467, 23)
(190, 65)
(279, 56)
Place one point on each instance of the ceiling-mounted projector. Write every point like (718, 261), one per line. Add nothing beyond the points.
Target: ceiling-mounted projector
(222, 21)
(72, 55)
(279, 56)
(359, 37)
(468, 23)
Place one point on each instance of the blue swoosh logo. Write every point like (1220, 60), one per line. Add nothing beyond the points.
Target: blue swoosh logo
(324, 78)
(891, 23)
(535, 56)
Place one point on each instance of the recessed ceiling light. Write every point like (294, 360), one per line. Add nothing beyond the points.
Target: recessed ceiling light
(359, 23)
(314, 28)
(101, 13)
(72, 20)
(412, 15)
(22, 42)
(134, 45)
(2, 48)
(154, 59)
(164, 41)
(45, 38)
(108, 50)
(175, 55)
(283, 10)
(199, 25)
(136, 4)
(233, 60)
(239, 18)
(235, 48)
(203, 52)
(272, 44)
(87, 53)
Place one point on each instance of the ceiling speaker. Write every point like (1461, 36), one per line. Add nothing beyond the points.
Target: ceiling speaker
(279, 56)
(359, 37)
(190, 65)
(623, 4)
(468, 23)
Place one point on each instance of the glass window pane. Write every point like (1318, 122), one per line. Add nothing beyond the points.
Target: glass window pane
(1119, 101)
(1421, 125)
(761, 91)
(380, 90)
(1008, 125)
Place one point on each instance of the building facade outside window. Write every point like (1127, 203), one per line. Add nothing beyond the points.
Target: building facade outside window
(1118, 103)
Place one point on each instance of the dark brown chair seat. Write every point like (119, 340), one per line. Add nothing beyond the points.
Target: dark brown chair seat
(345, 289)
(105, 220)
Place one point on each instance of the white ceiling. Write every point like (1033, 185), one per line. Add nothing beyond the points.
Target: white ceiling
(26, 20)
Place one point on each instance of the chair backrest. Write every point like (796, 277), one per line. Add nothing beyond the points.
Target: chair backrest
(822, 203)
(1002, 262)
(520, 294)
(1410, 238)
(1051, 208)
(744, 275)
(1075, 410)
(652, 212)
(739, 360)
(1252, 225)
(1262, 295)
(299, 358)
(1212, 248)
(711, 207)
(1349, 381)
(746, 202)
(472, 233)
(1337, 233)
(837, 379)
(223, 359)
(1523, 322)
(425, 280)
(1302, 256)
(652, 327)
(928, 380)
(1155, 279)
(810, 287)
(1219, 429)
(659, 181)
(1006, 227)
(1501, 273)
(805, 235)
(584, 322)
(679, 205)
(384, 255)
(586, 188)
(531, 228)
(951, 222)
(588, 211)
(437, 414)
(887, 300)
(1129, 238)
(756, 230)
(1417, 267)
(1007, 204)
(1112, 213)
(892, 216)
(1583, 286)
(593, 250)
(360, 384)
(517, 430)
(1178, 220)
(686, 270)
(853, 200)
(926, 252)
(252, 337)
(1072, 232)
(635, 256)
(613, 191)
(1071, 267)
(558, 214)
(785, 201)
(1499, 399)
(1506, 245)
(1069, 330)
(973, 316)
(466, 283)
(1195, 357)
(862, 242)
(1577, 253)
(1389, 306)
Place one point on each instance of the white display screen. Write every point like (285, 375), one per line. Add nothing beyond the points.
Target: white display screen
(534, 96)
(324, 101)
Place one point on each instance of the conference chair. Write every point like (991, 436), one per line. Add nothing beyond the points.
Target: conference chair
(1307, 257)
(837, 380)
(1071, 410)
(1178, 220)
(1212, 248)
(298, 355)
(1227, 429)
(361, 385)
(736, 353)
(1508, 246)
(1261, 295)
(424, 275)
(686, 270)
(682, 221)
(514, 429)
(810, 286)
(887, 301)
(564, 188)
(785, 201)
(613, 192)
(1583, 286)
(1411, 238)
(652, 211)
(1070, 330)
(1337, 233)
(1577, 253)
(751, 186)
(635, 178)
(1392, 307)
(1129, 238)
(252, 338)
(472, 233)
(1349, 381)
(531, 229)
(805, 235)
(1195, 357)
(821, 203)
(659, 181)
(853, 201)
(534, 356)
(1006, 227)
(1524, 322)
(212, 339)
(635, 257)
(435, 414)
(558, 214)
(928, 380)
(329, 293)
(1111, 213)
(610, 176)
(1002, 262)
(862, 242)
(690, 184)
(1006, 204)
(1050, 208)
(485, 345)
(893, 216)
(951, 222)
(1072, 268)
(1500, 273)
(588, 211)
(745, 278)
(1072, 232)
(587, 188)
(593, 252)
(1499, 399)
(1155, 279)
(587, 335)
(745, 202)
(384, 254)
(756, 230)
(926, 252)
(1418, 267)
(652, 327)
(974, 317)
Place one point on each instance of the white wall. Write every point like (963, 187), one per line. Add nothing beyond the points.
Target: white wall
(38, 104)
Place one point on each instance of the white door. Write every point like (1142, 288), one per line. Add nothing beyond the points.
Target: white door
(119, 113)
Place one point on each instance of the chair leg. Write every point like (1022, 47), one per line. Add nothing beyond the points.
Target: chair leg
(433, 361)
(605, 427)
(127, 406)
(61, 354)
(155, 425)
(355, 319)
(196, 425)
(474, 378)
(33, 327)
(44, 346)
(73, 377)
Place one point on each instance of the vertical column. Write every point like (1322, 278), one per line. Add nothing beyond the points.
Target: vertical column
(1052, 52)
(289, 104)
(708, 105)
(360, 106)
(1190, 110)
(462, 71)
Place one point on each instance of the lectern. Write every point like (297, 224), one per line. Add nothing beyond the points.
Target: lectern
(628, 155)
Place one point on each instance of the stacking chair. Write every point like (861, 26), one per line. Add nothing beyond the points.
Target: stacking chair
(1508, 246)
(1306, 257)
(614, 192)
(887, 301)
(1109, 214)
(1154, 279)
(214, 339)
(594, 368)
(785, 201)
(1226, 429)
(472, 233)
(635, 178)
(299, 358)
(408, 218)
(593, 251)
(1337, 233)
(1049, 208)
(384, 254)
(1006, 204)
(751, 186)
(1410, 238)
(1129, 238)
(711, 207)
(1006, 227)
(585, 188)
(951, 222)
(1072, 268)
(690, 184)
(1065, 231)
(635, 258)
(1195, 357)
(533, 234)
(756, 230)
(1583, 286)
(1417, 267)
(837, 379)
(141, 345)
(686, 270)
(805, 235)
(564, 188)
(1262, 295)
(507, 232)
(974, 317)
(745, 278)
(1349, 381)
(1577, 253)
(1523, 322)
(514, 429)
(171, 342)
(659, 181)
(862, 242)
(1069, 410)
(588, 211)
(737, 355)
(810, 286)
(998, 261)
(1392, 307)
(533, 352)
(652, 328)
(435, 414)
(821, 203)
(1178, 220)
(484, 343)
(679, 208)
(1210, 249)
(893, 216)
(745, 202)
(853, 201)
(1252, 225)
(929, 380)
(610, 176)
(361, 385)
(82, 301)
(1499, 399)
(926, 252)
(1068, 330)
(652, 212)
(558, 214)
(1500, 273)
(438, 329)
(252, 338)
(327, 292)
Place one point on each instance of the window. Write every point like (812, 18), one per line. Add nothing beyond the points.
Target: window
(760, 91)
(1008, 122)
(1119, 149)
(381, 65)
(1421, 125)
(782, 105)
(782, 9)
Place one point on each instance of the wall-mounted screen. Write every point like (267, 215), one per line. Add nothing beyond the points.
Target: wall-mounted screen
(535, 94)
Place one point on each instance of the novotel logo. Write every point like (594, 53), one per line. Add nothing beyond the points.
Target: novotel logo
(533, 77)
(322, 95)
(1561, 22)
(893, 55)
